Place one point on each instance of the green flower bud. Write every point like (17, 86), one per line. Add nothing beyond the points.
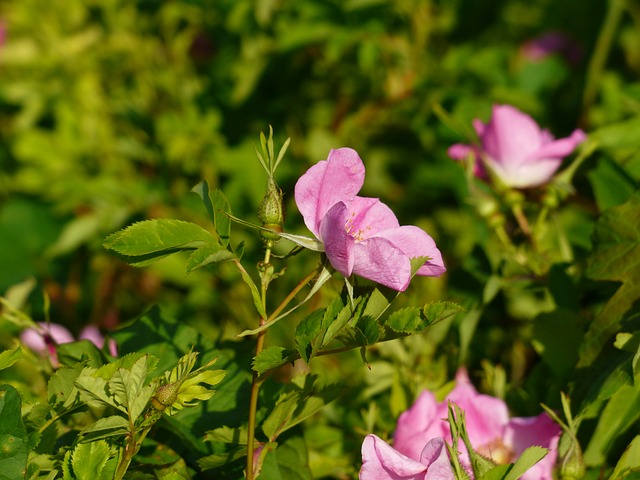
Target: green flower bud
(271, 211)
(166, 395)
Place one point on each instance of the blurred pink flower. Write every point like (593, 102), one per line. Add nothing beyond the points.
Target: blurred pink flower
(361, 235)
(515, 149)
(45, 339)
(551, 43)
(491, 432)
(382, 462)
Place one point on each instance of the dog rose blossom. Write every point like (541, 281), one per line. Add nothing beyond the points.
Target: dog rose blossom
(515, 149)
(361, 235)
(381, 462)
(491, 432)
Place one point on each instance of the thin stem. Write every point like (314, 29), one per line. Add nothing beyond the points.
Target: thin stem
(521, 219)
(599, 58)
(293, 293)
(255, 380)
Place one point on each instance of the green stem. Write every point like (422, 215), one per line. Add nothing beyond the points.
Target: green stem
(600, 54)
(255, 380)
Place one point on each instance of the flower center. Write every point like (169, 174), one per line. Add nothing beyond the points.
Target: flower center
(498, 452)
(357, 233)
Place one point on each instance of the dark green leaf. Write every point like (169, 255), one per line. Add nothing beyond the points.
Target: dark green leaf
(611, 184)
(556, 338)
(106, 427)
(287, 462)
(616, 257)
(202, 190)
(273, 357)
(222, 221)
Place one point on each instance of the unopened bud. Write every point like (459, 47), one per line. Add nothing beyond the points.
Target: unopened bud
(165, 395)
(271, 212)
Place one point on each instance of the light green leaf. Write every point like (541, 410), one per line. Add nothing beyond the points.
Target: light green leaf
(9, 357)
(13, 435)
(61, 387)
(127, 387)
(616, 257)
(202, 190)
(89, 461)
(93, 390)
(106, 427)
(160, 236)
(621, 411)
(526, 460)
(497, 473)
(629, 461)
(220, 210)
(210, 253)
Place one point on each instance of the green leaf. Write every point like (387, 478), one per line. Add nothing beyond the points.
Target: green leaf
(616, 257)
(611, 184)
(300, 401)
(93, 390)
(61, 387)
(308, 333)
(556, 338)
(287, 462)
(128, 390)
(526, 460)
(407, 320)
(273, 357)
(202, 190)
(211, 253)
(222, 222)
(629, 461)
(497, 473)
(82, 351)
(9, 357)
(111, 426)
(156, 238)
(620, 413)
(89, 461)
(13, 435)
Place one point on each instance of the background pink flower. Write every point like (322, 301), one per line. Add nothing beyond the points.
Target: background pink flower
(491, 432)
(361, 235)
(515, 149)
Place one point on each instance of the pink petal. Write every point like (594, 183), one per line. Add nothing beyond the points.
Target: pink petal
(510, 137)
(381, 462)
(92, 333)
(562, 147)
(418, 424)
(337, 179)
(434, 454)
(34, 339)
(531, 174)
(370, 215)
(415, 242)
(460, 151)
(525, 432)
(479, 127)
(338, 244)
(379, 260)
(486, 416)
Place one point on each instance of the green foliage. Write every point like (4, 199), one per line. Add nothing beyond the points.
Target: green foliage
(13, 435)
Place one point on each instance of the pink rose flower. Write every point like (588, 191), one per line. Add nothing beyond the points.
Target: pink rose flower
(45, 339)
(382, 462)
(491, 432)
(361, 235)
(515, 149)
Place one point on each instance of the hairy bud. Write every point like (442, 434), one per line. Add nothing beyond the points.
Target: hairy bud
(271, 212)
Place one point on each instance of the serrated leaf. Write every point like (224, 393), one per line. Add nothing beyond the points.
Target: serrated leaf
(273, 357)
(159, 236)
(93, 390)
(127, 387)
(90, 459)
(497, 473)
(407, 320)
(111, 426)
(62, 392)
(211, 253)
(616, 257)
(9, 357)
(237, 436)
(217, 460)
(437, 311)
(307, 333)
(13, 434)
